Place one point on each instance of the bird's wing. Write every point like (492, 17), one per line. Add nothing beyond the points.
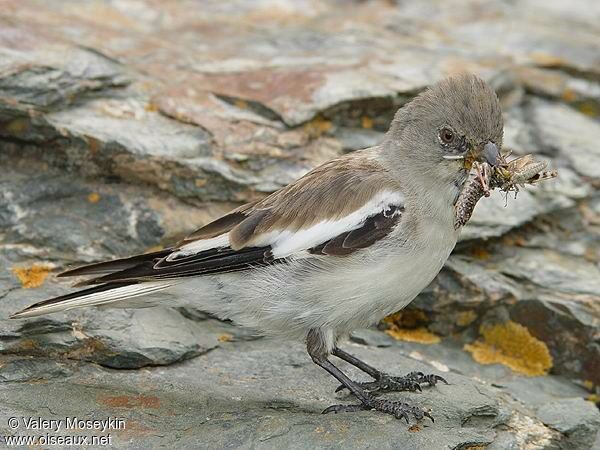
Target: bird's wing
(336, 209)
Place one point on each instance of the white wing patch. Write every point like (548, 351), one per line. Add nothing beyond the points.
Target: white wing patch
(199, 246)
(285, 243)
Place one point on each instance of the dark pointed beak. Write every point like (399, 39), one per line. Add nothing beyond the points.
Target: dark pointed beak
(490, 154)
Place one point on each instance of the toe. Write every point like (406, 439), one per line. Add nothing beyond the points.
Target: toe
(342, 408)
(415, 387)
(432, 379)
(402, 415)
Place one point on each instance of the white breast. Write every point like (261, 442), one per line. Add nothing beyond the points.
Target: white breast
(339, 294)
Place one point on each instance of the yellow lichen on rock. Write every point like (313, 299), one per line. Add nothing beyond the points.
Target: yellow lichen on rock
(409, 318)
(32, 277)
(589, 109)
(511, 344)
(94, 197)
(409, 325)
(465, 318)
(317, 127)
(225, 337)
(421, 335)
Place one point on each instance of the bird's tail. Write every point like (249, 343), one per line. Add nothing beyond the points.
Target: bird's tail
(98, 295)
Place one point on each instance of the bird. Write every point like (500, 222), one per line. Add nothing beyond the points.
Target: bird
(350, 242)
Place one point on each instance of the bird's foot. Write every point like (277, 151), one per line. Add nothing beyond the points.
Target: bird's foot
(399, 410)
(410, 382)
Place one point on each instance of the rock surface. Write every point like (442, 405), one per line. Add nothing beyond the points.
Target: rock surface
(125, 125)
(264, 394)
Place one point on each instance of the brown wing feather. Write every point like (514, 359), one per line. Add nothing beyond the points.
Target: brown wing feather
(115, 265)
(223, 224)
(329, 192)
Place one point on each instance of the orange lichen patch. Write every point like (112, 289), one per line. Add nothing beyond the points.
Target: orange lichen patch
(465, 318)
(366, 122)
(514, 240)
(16, 126)
(94, 197)
(317, 127)
(414, 428)
(591, 254)
(131, 401)
(243, 104)
(594, 398)
(87, 348)
(332, 431)
(511, 344)
(481, 253)
(569, 95)
(151, 107)
(32, 277)
(588, 384)
(226, 337)
(420, 335)
(406, 319)
(200, 182)
(94, 144)
(27, 345)
(589, 109)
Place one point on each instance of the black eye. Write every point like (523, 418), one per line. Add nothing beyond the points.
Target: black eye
(447, 136)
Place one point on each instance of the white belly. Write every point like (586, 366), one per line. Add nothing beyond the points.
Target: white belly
(389, 283)
(336, 294)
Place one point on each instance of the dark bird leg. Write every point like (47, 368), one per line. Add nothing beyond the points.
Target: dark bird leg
(317, 351)
(384, 382)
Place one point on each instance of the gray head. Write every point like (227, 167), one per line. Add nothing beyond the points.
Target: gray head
(447, 127)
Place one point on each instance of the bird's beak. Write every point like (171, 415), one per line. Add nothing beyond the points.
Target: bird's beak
(488, 153)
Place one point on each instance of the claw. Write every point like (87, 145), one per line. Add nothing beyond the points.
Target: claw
(402, 414)
(416, 387)
(438, 378)
(432, 379)
(343, 408)
(331, 409)
(426, 414)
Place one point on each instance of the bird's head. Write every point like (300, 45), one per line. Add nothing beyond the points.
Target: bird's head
(448, 127)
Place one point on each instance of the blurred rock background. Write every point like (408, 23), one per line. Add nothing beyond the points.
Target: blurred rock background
(125, 124)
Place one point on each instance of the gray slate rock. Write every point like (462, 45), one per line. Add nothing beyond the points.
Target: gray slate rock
(575, 418)
(99, 106)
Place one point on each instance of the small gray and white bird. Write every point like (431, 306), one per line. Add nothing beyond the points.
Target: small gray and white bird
(350, 242)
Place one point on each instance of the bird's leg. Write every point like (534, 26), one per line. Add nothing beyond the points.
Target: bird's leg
(384, 382)
(366, 368)
(367, 400)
